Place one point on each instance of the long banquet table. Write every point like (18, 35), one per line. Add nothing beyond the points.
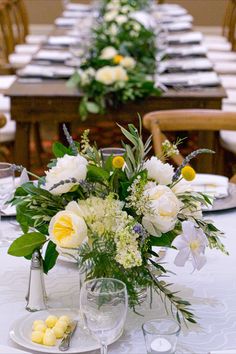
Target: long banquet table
(212, 291)
(51, 100)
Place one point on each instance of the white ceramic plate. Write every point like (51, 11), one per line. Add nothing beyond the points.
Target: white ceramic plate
(21, 329)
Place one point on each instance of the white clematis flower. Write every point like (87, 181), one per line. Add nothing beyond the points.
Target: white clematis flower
(161, 172)
(191, 245)
(67, 167)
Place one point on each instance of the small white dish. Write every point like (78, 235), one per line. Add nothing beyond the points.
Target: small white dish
(82, 342)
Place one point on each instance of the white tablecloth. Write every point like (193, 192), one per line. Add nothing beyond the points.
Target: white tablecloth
(212, 291)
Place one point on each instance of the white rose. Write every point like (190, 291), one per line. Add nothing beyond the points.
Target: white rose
(120, 19)
(120, 73)
(165, 207)
(161, 172)
(108, 53)
(67, 167)
(128, 62)
(67, 229)
(110, 15)
(86, 76)
(106, 75)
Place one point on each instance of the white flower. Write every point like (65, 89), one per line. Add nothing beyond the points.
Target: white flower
(164, 209)
(67, 167)
(67, 229)
(110, 15)
(113, 6)
(86, 76)
(136, 27)
(120, 19)
(108, 53)
(191, 245)
(126, 9)
(161, 172)
(113, 29)
(106, 75)
(121, 74)
(128, 62)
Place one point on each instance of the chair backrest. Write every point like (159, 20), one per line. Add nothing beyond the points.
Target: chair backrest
(6, 31)
(185, 120)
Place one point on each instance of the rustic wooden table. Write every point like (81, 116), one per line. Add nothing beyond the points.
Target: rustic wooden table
(53, 101)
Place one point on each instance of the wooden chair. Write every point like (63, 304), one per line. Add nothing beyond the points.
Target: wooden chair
(187, 120)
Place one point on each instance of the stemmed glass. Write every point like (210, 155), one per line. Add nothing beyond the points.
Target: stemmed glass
(6, 191)
(103, 303)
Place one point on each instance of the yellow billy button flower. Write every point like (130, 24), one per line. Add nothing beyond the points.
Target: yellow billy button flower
(118, 162)
(188, 173)
(118, 58)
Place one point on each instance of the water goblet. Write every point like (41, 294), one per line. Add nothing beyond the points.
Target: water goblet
(103, 304)
(6, 192)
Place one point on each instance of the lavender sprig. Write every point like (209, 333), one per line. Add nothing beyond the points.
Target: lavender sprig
(188, 159)
(61, 183)
(20, 168)
(70, 140)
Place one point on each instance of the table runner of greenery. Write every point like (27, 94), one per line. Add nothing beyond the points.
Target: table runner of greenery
(121, 60)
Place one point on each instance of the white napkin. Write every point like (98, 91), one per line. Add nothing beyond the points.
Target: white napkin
(215, 185)
(193, 64)
(27, 48)
(144, 18)
(221, 47)
(225, 68)
(196, 79)
(4, 103)
(54, 55)
(19, 59)
(35, 38)
(178, 26)
(46, 71)
(73, 14)
(173, 9)
(222, 56)
(6, 81)
(61, 40)
(64, 22)
(186, 37)
(168, 18)
(78, 7)
(184, 50)
(10, 350)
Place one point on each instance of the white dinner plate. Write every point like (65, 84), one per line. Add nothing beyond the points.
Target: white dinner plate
(21, 329)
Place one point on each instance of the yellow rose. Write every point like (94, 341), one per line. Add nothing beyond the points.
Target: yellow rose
(118, 58)
(118, 162)
(67, 228)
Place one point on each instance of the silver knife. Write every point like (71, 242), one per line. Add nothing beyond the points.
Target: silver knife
(65, 343)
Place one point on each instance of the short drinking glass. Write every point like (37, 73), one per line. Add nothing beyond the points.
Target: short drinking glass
(161, 336)
(103, 303)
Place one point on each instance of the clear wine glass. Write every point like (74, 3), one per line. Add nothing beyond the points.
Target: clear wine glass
(103, 303)
(7, 185)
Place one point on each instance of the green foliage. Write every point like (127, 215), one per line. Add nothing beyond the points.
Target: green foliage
(26, 244)
(50, 257)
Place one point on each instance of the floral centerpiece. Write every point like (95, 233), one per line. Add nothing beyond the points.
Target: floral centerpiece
(121, 61)
(113, 213)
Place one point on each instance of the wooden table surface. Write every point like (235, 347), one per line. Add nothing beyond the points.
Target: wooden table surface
(52, 100)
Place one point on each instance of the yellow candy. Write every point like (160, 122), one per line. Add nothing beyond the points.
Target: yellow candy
(37, 337)
(65, 319)
(62, 324)
(51, 321)
(40, 327)
(37, 322)
(58, 331)
(49, 337)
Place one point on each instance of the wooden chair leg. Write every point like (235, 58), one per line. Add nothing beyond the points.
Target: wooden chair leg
(37, 142)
